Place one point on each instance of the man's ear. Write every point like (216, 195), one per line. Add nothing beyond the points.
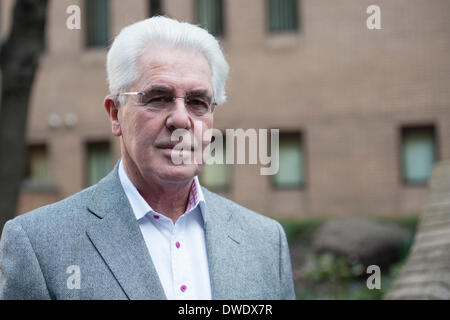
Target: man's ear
(112, 108)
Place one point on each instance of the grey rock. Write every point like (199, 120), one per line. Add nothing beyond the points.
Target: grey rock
(362, 241)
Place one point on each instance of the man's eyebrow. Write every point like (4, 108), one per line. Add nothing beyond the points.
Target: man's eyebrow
(159, 89)
(198, 93)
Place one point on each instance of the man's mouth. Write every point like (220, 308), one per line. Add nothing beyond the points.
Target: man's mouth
(176, 147)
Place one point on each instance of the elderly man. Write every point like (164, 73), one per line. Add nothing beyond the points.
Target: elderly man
(148, 230)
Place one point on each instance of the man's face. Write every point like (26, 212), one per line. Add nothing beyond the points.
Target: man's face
(146, 133)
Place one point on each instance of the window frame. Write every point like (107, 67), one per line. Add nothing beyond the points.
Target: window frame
(293, 30)
(228, 187)
(87, 144)
(403, 129)
(29, 184)
(87, 44)
(224, 18)
(149, 8)
(302, 139)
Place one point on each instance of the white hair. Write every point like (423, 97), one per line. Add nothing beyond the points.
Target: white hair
(130, 43)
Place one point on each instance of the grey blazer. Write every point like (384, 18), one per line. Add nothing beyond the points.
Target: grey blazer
(96, 233)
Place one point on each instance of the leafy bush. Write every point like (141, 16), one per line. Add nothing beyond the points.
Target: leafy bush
(327, 276)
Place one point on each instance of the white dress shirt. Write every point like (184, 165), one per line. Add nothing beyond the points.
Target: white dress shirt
(178, 251)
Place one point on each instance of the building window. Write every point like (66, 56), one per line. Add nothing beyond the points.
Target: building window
(155, 8)
(210, 16)
(418, 153)
(97, 23)
(37, 172)
(216, 176)
(291, 173)
(99, 162)
(282, 15)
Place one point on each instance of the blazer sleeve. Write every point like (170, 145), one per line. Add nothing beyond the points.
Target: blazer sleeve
(21, 277)
(287, 291)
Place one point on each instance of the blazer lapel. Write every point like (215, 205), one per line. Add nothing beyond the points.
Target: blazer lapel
(223, 244)
(118, 239)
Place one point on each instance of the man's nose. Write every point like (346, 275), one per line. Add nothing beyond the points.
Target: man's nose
(178, 117)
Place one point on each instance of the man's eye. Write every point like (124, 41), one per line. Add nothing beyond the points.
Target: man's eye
(198, 106)
(198, 103)
(156, 100)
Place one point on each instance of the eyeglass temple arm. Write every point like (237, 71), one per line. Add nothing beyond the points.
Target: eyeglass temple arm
(129, 93)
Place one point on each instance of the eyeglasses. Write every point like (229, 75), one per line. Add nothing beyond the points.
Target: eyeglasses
(196, 104)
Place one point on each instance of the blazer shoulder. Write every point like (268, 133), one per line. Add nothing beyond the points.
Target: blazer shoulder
(67, 209)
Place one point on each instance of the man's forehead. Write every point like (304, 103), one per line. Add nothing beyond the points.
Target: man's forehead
(165, 56)
(159, 63)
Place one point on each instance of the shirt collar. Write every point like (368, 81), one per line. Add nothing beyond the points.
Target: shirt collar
(141, 207)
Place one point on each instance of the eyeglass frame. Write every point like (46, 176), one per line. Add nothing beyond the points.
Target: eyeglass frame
(211, 105)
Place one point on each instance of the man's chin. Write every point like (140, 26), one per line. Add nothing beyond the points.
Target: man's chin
(178, 173)
(184, 157)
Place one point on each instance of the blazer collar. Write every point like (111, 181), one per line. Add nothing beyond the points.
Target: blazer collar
(118, 239)
(223, 243)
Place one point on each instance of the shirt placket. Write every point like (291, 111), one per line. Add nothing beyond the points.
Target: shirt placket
(181, 281)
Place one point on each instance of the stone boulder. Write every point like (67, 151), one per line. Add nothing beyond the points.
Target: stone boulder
(362, 241)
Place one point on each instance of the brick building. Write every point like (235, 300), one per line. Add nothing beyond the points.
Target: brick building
(363, 114)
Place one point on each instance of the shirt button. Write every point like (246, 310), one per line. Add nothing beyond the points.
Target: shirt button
(156, 216)
(177, 244)
(183, 288)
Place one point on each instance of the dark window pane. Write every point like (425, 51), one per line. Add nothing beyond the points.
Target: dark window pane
(418, 154)
(282, 15)
(210, 16)
(291, 162)
(38, 170)
(99, 162)
(155, 8)
(216, 176)
(97, 23)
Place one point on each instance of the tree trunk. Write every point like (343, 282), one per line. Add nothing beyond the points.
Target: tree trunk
(19, 61)
(426, 273)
